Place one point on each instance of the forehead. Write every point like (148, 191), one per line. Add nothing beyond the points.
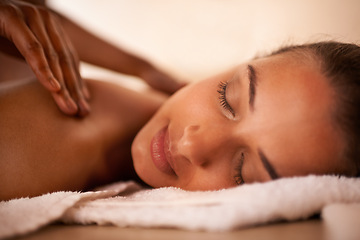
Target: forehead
(294, 83)
(294, 114)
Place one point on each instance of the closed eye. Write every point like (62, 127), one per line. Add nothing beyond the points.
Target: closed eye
(222, 97)
(238, 177)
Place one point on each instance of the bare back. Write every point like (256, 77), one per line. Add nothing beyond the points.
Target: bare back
(42, 150)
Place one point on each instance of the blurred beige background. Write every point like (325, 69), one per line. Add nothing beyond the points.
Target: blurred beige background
(194, 39)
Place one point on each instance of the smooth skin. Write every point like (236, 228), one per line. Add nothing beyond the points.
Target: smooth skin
(42, 150)
(288, 120)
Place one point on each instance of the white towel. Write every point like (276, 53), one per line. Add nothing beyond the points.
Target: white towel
(127, 204)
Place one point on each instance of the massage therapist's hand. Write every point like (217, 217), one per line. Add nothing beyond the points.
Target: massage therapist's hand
(40, 39)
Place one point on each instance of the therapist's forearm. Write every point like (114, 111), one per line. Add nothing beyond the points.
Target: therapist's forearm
(95, 50)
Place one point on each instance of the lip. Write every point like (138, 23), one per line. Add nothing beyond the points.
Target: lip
(159, 149)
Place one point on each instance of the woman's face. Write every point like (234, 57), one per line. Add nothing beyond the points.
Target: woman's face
(265, 119)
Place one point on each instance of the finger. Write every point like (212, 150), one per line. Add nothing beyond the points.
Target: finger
(66, 104)
(31, 49)
(69, 69)
(76, 61)
(62, 98)
(36, 25)
(75, 89)
(80, 86)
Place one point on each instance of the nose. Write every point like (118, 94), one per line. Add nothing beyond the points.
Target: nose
(201, 145)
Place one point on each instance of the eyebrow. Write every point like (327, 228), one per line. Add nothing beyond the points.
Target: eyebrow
(268, 166)
(252, 85)
(252, 75)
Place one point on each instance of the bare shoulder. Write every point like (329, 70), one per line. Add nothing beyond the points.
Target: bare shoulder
(26, 101)
(43, 150)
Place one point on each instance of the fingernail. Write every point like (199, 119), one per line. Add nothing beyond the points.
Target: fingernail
(84, 107)
(55, 84)
(86, 93)
(71, 105)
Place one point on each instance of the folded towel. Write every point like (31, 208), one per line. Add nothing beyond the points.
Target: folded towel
(24, 215)
(127, 204)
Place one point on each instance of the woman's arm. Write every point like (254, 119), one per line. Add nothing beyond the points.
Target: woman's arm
(94, 50)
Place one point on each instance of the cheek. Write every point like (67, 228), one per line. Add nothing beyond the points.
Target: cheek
(218, 174)
(194, 104)
(204, 180)
(184, 106)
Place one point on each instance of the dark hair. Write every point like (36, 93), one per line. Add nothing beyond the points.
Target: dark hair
(340, 63)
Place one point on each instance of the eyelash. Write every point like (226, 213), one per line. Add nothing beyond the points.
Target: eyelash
(222, 97)
(224, 103)
(238, 177)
